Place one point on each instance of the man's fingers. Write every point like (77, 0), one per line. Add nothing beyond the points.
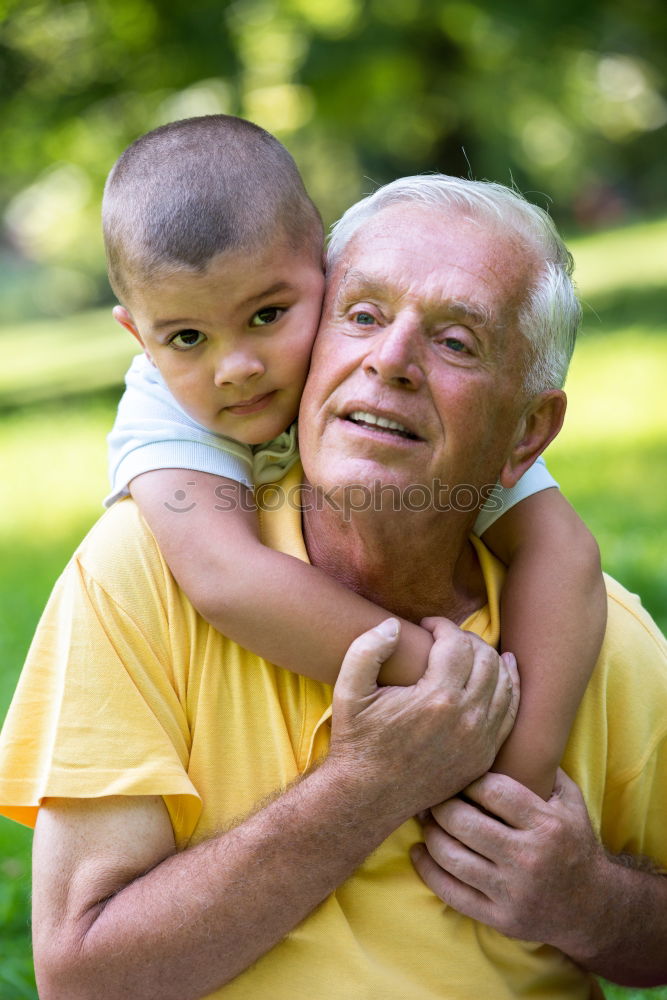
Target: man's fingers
(567, 789)
(462, 659)
(462, 662)
(468, 833)
(457, 894)
(507, 695)
(509, 800)
(509, 659)
(438, 627)
(452, 657)
(359, 671)
(472, 865)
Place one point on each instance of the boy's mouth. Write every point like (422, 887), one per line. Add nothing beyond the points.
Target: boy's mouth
(252, 405)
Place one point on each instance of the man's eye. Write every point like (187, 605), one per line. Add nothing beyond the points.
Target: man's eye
(185, 339)
(454, 344)
(264, 317)
(459, 345)
(363, 318)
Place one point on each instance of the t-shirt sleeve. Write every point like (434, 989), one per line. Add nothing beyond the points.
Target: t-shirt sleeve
(499, 500)
(98, 710)
(151, 431)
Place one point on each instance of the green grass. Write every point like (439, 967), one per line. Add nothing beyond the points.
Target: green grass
(50, 495)
(610, 459)
(16, 974)
(57, 358)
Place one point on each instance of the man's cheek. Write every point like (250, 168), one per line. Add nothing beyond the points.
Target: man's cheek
(328, 337)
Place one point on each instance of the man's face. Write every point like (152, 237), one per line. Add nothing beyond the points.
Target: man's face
(416, 370)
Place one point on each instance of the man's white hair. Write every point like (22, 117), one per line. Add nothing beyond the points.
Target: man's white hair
(550, 314)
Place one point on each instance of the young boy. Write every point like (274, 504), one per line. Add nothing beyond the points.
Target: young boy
(215, 252)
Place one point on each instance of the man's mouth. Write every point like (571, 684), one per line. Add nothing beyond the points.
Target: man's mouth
(365, 419)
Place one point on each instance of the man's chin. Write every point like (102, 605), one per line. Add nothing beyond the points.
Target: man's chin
(361, 485)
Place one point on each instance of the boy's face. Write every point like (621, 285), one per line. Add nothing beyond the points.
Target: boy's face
(233, 342)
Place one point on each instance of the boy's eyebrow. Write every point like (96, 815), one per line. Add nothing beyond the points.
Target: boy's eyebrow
(279, 286)
(160, 324)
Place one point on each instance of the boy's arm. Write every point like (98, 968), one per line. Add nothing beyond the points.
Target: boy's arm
(283, 609)
(553, 617)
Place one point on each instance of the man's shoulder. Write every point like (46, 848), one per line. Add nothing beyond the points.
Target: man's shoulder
(630, 627)
(120, 548)
(623, 707)
(617, 750)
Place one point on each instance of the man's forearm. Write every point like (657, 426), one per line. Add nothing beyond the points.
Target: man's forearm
(626, 939)
(201, 917)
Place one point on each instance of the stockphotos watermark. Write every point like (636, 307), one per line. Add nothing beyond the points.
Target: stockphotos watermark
(347, 500)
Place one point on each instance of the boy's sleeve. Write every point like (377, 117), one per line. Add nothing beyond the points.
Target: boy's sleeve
(151, 431)
(499, 500)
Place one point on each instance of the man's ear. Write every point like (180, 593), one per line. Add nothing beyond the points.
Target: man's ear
(122, 316)
(539, 425)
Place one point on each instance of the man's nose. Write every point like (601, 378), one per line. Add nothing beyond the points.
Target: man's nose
(395, 354)
(237, 366)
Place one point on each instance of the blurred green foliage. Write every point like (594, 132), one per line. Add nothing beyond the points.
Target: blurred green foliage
(566, 98)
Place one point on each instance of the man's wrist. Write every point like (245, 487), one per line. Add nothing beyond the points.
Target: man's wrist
(360, 798)
(608, 939)
(589, 933)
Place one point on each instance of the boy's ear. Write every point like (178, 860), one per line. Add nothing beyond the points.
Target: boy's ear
(539, 425)
(122, 316)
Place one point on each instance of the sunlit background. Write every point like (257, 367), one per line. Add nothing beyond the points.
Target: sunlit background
(566, 100)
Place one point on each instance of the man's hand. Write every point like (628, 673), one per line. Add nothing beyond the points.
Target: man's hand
(526, 869)
(535, 870)
(414, 746)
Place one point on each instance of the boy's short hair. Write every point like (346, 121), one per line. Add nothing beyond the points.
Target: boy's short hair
(195, 188)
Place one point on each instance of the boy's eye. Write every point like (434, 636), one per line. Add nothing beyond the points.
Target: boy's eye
(185, 339)
(263, 317)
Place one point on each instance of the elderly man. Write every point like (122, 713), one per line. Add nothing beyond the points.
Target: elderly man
(228, 846)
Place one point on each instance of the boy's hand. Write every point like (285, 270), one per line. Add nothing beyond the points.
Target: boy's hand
(415, 746)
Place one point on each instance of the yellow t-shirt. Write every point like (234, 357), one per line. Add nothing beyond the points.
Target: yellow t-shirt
(127, 691)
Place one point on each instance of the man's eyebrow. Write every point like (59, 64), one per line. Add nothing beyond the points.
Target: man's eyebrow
(275, 289)
(357, 279)
(470, 313)
(355, 282)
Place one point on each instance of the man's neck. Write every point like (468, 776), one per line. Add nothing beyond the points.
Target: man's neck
(414, 564)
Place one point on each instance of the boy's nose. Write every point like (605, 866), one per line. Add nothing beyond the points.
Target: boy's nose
(237, 368)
